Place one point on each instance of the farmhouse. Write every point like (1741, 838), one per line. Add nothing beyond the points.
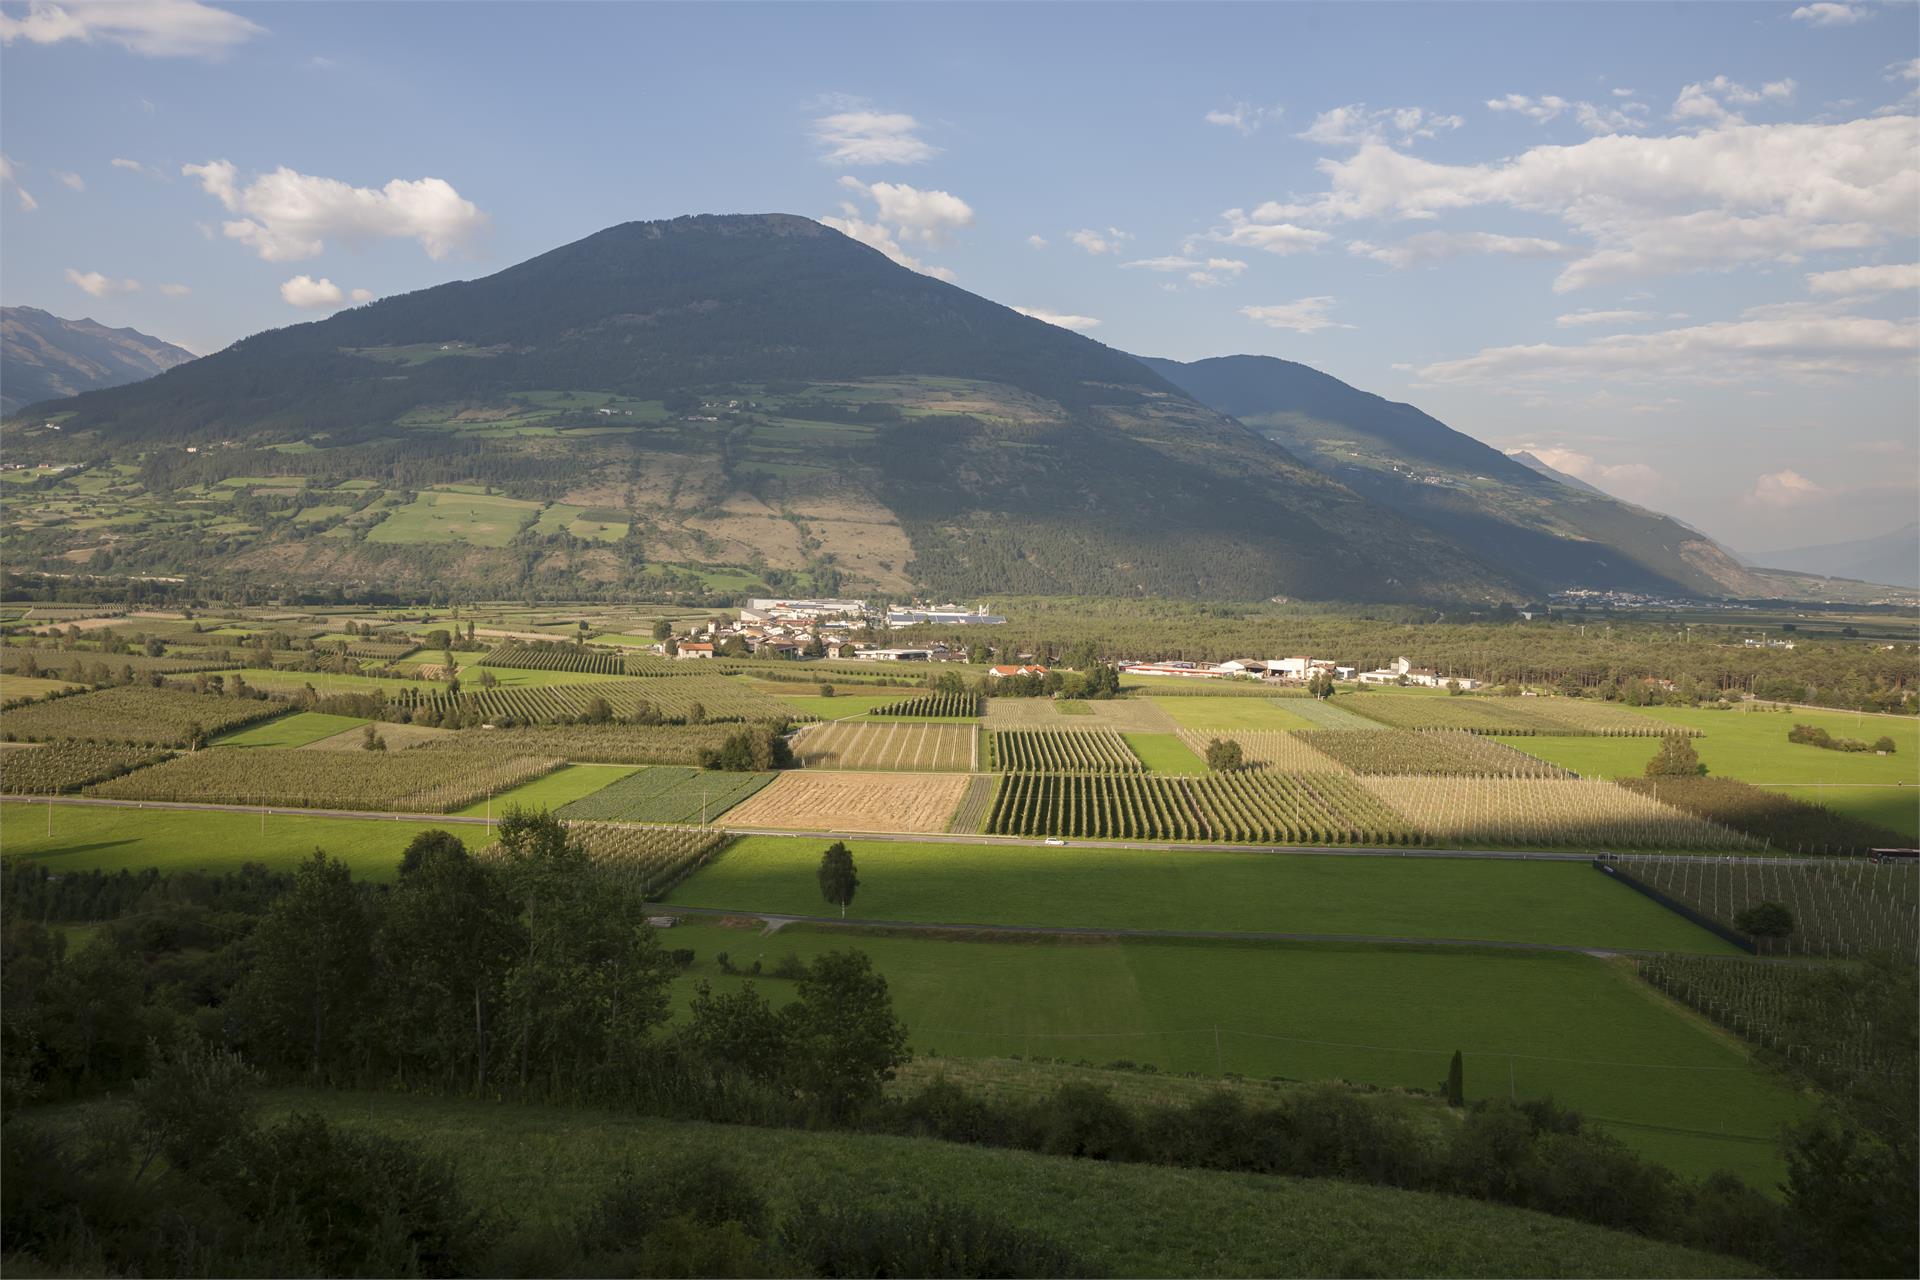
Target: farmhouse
(1402, 671)
(695, 649)
(1023, 669)
(1187, 669)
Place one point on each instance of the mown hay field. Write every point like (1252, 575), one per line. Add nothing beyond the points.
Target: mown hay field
(829, 800)
(889, 745)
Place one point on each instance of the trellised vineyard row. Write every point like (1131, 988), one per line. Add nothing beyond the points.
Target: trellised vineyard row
(1840, 907)
(1062, 751)
(556, 657)
(945, 705)
(1269, 808)
(693, 700)
(649, 859)
(397, 781)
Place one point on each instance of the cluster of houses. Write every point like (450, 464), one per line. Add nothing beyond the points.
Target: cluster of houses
(1400, 671)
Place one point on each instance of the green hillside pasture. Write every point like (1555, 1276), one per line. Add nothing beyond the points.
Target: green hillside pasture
(538, 1166)
(29, 688)
(296, 730)
(1164, 753)
(112, 839)
(473, 518)
(1583, 1030)
(1751, 746)
(1234, 713)
(1897, 808)
(1558, 903)
(561, 787)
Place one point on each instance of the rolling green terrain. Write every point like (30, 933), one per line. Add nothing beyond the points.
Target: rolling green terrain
(541, 1165)
(296, 730)
(1561, 903)
(1580, 1029)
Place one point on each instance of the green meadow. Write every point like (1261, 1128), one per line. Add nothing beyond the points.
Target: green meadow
(296, 730)
(1577, 1028)
(563, 786)
(438, 516)
(1164, 753)
(1559, 903)
(1244, 712)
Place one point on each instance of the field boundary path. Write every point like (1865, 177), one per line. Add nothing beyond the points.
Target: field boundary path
(776, 922)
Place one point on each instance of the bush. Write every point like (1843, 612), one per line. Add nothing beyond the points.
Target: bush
(932, 1239)
(1224, 755)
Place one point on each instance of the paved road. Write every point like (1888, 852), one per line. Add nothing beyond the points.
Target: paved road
(776, 922)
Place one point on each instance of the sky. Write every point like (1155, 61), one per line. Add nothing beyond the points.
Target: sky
(1669, 248)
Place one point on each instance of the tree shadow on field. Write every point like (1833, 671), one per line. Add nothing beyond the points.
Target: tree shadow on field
(66, 850)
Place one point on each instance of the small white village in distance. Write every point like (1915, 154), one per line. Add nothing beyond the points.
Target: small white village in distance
(800, 629)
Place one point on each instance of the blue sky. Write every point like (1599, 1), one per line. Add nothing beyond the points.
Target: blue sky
(1676, 258)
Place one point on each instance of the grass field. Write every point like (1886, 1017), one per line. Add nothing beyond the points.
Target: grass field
(563, 786)
(455, 517)
(1749, 745)
(1234, 713)
(540, 1165)
(1564, 903)
(19, 688)
(1164, 753)
(1584, 1030)
(296, 730)
(666, 793)
(1894, 807)
(86, 839)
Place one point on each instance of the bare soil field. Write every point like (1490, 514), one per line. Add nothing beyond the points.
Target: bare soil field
(829, 800)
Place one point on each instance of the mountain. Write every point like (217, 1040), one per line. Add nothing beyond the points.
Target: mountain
(1527, 460)
(44, 357)
(1549, 533)
(709, 403)
(1892, 558)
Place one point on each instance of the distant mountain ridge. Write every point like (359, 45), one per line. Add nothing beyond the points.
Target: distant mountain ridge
(1892, 558)
(1536, 525)
(46, 357)
(1527, 459)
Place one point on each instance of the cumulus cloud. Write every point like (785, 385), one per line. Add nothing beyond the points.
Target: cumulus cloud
(1594, 119)
(1267, 233)
(1203, 272)
(74, 181)
(1652, 206)
(318, 295)
(1635, 481)
(290, 215)
(1036, 242)
(9, 177)
(97, 285)
(1708, 99)
(175, 290)
(1784, 489)
(1767, 342)
(153, 28)
(1575, 319)
(1828, 14)
(1864, 280)
(871, 137)
(1243, 117)
(1060, 318)
(1355, 125)
(1099, 242)
(1539, 110)
(1436, 246)
(362, 295)
(929, 216)
(1305, 315)
(134, 166)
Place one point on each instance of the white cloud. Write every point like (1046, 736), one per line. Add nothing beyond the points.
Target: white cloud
(74, 181)
(929, 216)
(1306, 315)
(134, 166)
(1243, 117)
(10, 177)
(1539, 110)
(1906, 69)
(1860, 280)
(876, 236)
(1772, 342)
(1635, 481)
(871, 137)
(175, 290)
(1707, 100)
(1656, 205)
(1784, 489)
(1828, 14)
(154, 28)
(1037, 242)
(1622, 93)
(1574, 319)
(1603, 120)
(1355, 125)
(1204, 273)
(1099, 242)
(1266, 233)
(1435, 246)
(362, 295)
(319, 295)
(291, 215)
(1062, 319)
(100, 286)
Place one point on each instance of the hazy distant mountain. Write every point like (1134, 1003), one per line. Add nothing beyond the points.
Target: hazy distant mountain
(1548, 528)
(1526, 459)
(45, 357)
(753, 391)
(1892, 558)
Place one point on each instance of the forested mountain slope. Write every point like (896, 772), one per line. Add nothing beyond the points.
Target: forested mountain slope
(759, 393)
(1550, 533)
(43, 356)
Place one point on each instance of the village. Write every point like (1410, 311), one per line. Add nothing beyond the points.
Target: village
(856, 629)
